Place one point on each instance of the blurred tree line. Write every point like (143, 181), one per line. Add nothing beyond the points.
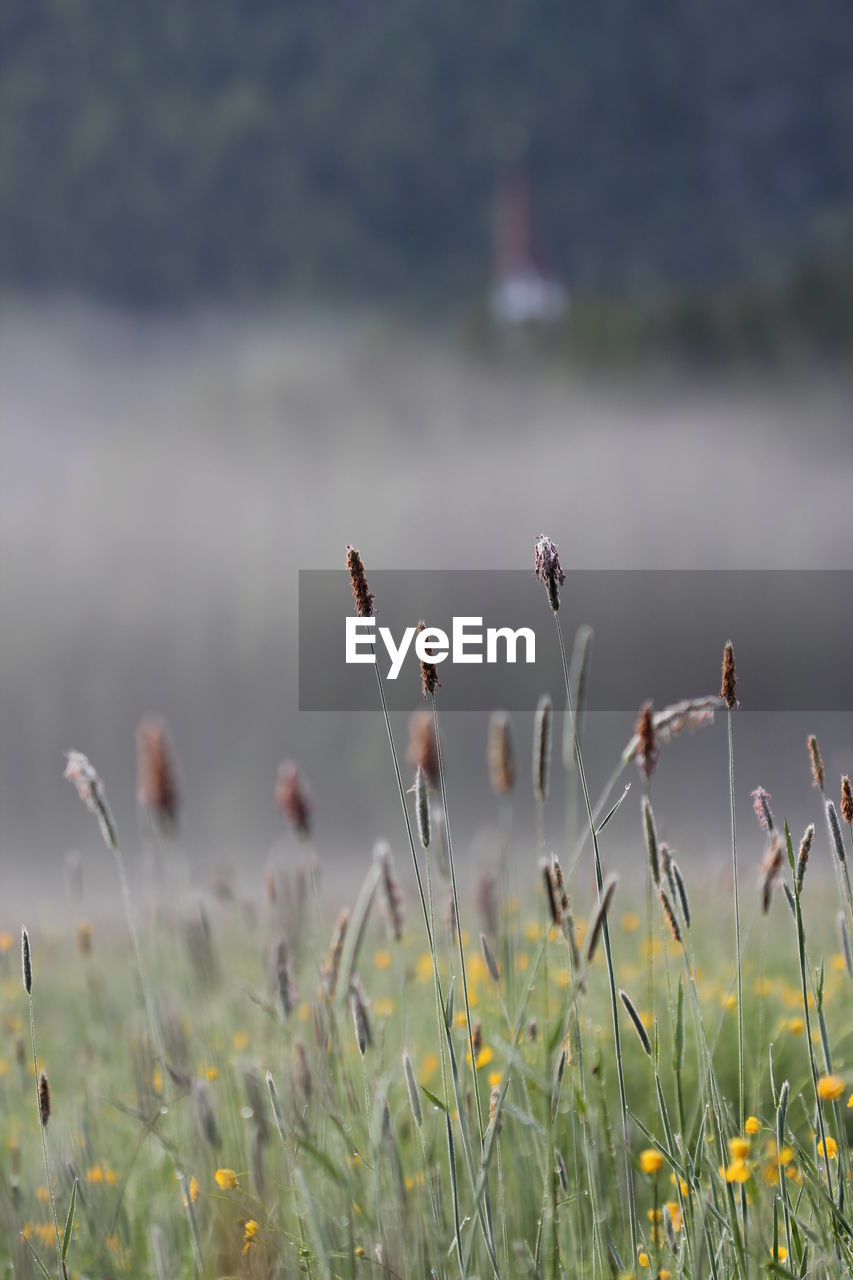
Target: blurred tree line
(172, 151)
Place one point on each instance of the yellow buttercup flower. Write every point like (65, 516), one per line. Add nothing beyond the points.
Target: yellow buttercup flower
(226, 1179)
(738, 1171)
(830, 1088)
(753, 1124)
(250, 1230)
(651, 1161)
(831, 1148)
(643, 1258)
(738, 1148)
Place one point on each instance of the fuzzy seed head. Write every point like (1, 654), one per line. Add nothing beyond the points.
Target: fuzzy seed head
(651, 840)
(332, 964)
(846, 800)
(647, 750)
(728, 687)
(542, 748)
(835, 832)
(392, 896)
(156, 782)
(803, 857)
(548, 569)
(44, 1100)
(818, 774)
(362, 594)
(422, 807)
(500, 754)
(293, 797)
(671, 918)
(762, 810)
(26, 962)
(422, 750)
(360, 1017)
(80, 772)
(429, 671)
(770, 868)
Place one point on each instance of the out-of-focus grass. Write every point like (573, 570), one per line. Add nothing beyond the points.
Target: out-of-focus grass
(332, 1195)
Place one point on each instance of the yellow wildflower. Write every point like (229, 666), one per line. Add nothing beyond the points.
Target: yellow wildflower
(831, 1148)
(753, 1124)
(250, 1230)
(830, 1088)
(226, 1179)
(651, 1161)
(738, 1171)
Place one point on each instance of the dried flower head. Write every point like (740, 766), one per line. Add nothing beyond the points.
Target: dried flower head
(362, 594)
(728, 687)
(847, 800)
(548, 569)
(818, 775)
(422, 749)
(44, 1100)
(392, 896)
(762, 810)
(670, 721)
(90, 789)
(500, 754)
(293, 797)
(647, 749)
(542, 748)
(429, 671)
(156, 784)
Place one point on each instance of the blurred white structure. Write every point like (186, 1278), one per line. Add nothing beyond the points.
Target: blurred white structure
(523, 292)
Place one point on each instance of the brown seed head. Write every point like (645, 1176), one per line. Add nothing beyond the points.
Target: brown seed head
(293, 798)
(846, 800)
(803, 857)
(647, 751)
(670, 915)
(44, 1100)
(429, 671)
(762, 810)
(548, 569)
(156, 784)
(542, 748)
(301, 1070)
(332, 964)
(362, 594)
(729, 682)
(500, 754)
(26, 962)
(422, 749)
(551, 895)
(818, 775)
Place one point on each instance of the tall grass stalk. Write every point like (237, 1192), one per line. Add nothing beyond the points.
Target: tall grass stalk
(608, 955)
(738, 958)
(41, 1120)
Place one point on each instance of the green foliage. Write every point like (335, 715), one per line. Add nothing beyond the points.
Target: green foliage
(168, 152)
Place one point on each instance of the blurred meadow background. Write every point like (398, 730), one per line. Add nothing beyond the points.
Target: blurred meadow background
(429, 280)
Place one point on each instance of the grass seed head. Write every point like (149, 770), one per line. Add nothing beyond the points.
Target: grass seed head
(598, 921)
(651, 840)
(156, 782)
(392, 896)
(412, 1090)
(728, 686)
(429, 671)
(551, 895)
(671, 918)
(818, 774)
(835, 831)
(44, 1100)
(293, 797)
(332, 964)
(542, 748)
(26, 962)
(422, 750)
(636, 1020)
(548, 569)
(680, 891)
(500, 754)
(362, 594)
(770, 868)
(647, 749)
(80, 772)
(802, 856)
(360, 1016)
(491, 962)
(301, 1070)
(847, 800)
(422, 806)
(762, 810)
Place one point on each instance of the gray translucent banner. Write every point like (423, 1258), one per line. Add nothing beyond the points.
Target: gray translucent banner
(658, 634)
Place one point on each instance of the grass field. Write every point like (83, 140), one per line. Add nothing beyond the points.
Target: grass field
(650, 1079)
